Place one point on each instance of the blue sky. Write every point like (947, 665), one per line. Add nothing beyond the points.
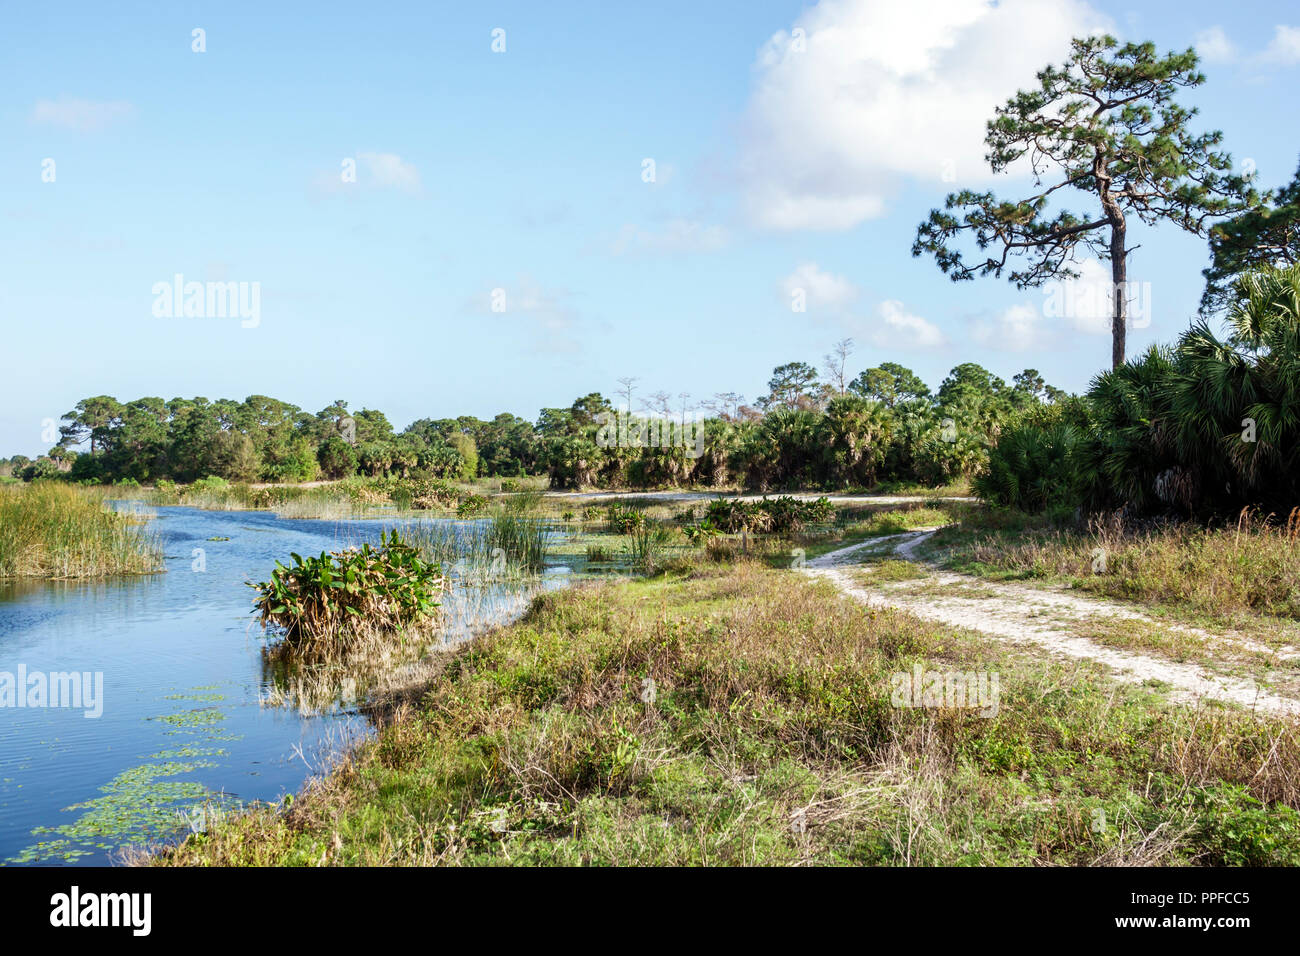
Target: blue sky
(775, 168)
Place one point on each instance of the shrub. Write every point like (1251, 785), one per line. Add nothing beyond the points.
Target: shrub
(210, 483)
(430, 493)
(701, 531)
(782, 515)
(734, 516)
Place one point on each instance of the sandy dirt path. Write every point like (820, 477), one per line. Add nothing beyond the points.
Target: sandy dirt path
(1047, 620)
(706, 496)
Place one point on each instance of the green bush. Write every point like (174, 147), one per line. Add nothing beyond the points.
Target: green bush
(210, 483)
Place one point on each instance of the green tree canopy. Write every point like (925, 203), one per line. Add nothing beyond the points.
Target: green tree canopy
(1268, 235)
(891, 384)
(791, 386)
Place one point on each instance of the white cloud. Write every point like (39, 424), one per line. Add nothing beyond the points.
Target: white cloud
(388, 170)
(84, 116)
(894, 327)
(1067, 309)
(677, 236)
(887, 90)
(1081, 305)
(1284, 48)
(1016, 329)
(1214, 46)
(819, 287)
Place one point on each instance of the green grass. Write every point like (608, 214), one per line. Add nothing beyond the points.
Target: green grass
(53, 530)
(739, 715)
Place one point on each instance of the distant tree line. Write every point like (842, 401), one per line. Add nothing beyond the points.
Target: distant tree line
(883, 425)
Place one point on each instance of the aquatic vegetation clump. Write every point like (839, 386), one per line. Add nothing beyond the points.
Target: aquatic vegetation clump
(390, 587)
(647, 543)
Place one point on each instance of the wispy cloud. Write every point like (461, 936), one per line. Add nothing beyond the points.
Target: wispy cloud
(819, 288)
(1067, 309)
(1284, 48)
(894, 327)
(84, 116)
(829, 299)
(545, 315)
(676, 237)
(1017, 329)
(1214, 46)
(390, 171)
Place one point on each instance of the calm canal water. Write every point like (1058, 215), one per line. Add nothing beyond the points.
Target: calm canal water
(183, 721)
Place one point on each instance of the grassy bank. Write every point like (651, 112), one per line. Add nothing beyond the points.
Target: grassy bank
(53, 530)
(741, 715)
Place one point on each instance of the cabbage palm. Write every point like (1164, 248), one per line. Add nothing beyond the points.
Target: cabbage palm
(856, 433)
(1237, 399)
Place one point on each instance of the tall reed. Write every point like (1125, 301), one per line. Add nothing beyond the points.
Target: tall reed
(53, 530)
(521, 532)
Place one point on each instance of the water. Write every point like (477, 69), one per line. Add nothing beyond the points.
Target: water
(184, 723)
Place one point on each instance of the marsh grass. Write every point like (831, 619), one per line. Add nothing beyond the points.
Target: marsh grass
(452, 542)
(647, 544)
(768, 738)
(53, 530)
(521, 531)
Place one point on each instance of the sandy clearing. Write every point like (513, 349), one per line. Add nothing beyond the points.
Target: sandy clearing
(1023, 615)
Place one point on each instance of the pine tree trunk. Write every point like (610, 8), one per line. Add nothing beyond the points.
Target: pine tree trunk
(1119, 292)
